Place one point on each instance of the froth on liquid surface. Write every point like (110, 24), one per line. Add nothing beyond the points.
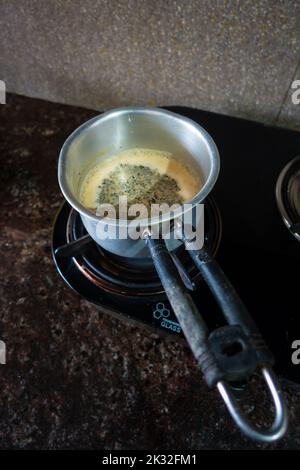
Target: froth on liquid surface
(153, 159)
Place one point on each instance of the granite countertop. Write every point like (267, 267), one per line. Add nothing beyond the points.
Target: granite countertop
(75, 377)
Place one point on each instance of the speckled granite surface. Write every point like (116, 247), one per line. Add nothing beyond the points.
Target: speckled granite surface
(76, 378)
(234, 57)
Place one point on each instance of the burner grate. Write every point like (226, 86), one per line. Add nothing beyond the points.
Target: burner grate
(121, 276)
(288, 196)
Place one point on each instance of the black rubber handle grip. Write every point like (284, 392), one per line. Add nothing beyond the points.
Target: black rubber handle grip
(231, 305)
(210, 351)
(190, 320)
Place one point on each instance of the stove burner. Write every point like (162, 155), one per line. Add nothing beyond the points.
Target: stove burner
(118, 275)
(288, 196)
(270, 292)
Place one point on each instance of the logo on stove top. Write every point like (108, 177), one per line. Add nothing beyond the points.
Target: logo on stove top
(162, 313)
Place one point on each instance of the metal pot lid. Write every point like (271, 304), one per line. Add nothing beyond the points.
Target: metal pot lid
(288, 196)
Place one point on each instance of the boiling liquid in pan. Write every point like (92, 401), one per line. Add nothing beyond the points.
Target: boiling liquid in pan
(145, 176)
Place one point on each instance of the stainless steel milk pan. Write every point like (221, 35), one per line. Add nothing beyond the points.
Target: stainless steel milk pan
(105, 135)
(229, 353)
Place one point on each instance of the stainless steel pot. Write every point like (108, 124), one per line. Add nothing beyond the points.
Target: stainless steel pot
(120, 129)
(229, 353)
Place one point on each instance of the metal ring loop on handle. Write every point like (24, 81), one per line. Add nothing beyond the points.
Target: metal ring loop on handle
(279, 426)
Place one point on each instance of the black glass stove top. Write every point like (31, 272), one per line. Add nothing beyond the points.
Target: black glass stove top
(255, 249)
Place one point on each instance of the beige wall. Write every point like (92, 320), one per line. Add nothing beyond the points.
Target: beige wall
(234, 57)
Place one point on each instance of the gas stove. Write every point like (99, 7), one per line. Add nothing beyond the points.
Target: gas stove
(245, 228)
